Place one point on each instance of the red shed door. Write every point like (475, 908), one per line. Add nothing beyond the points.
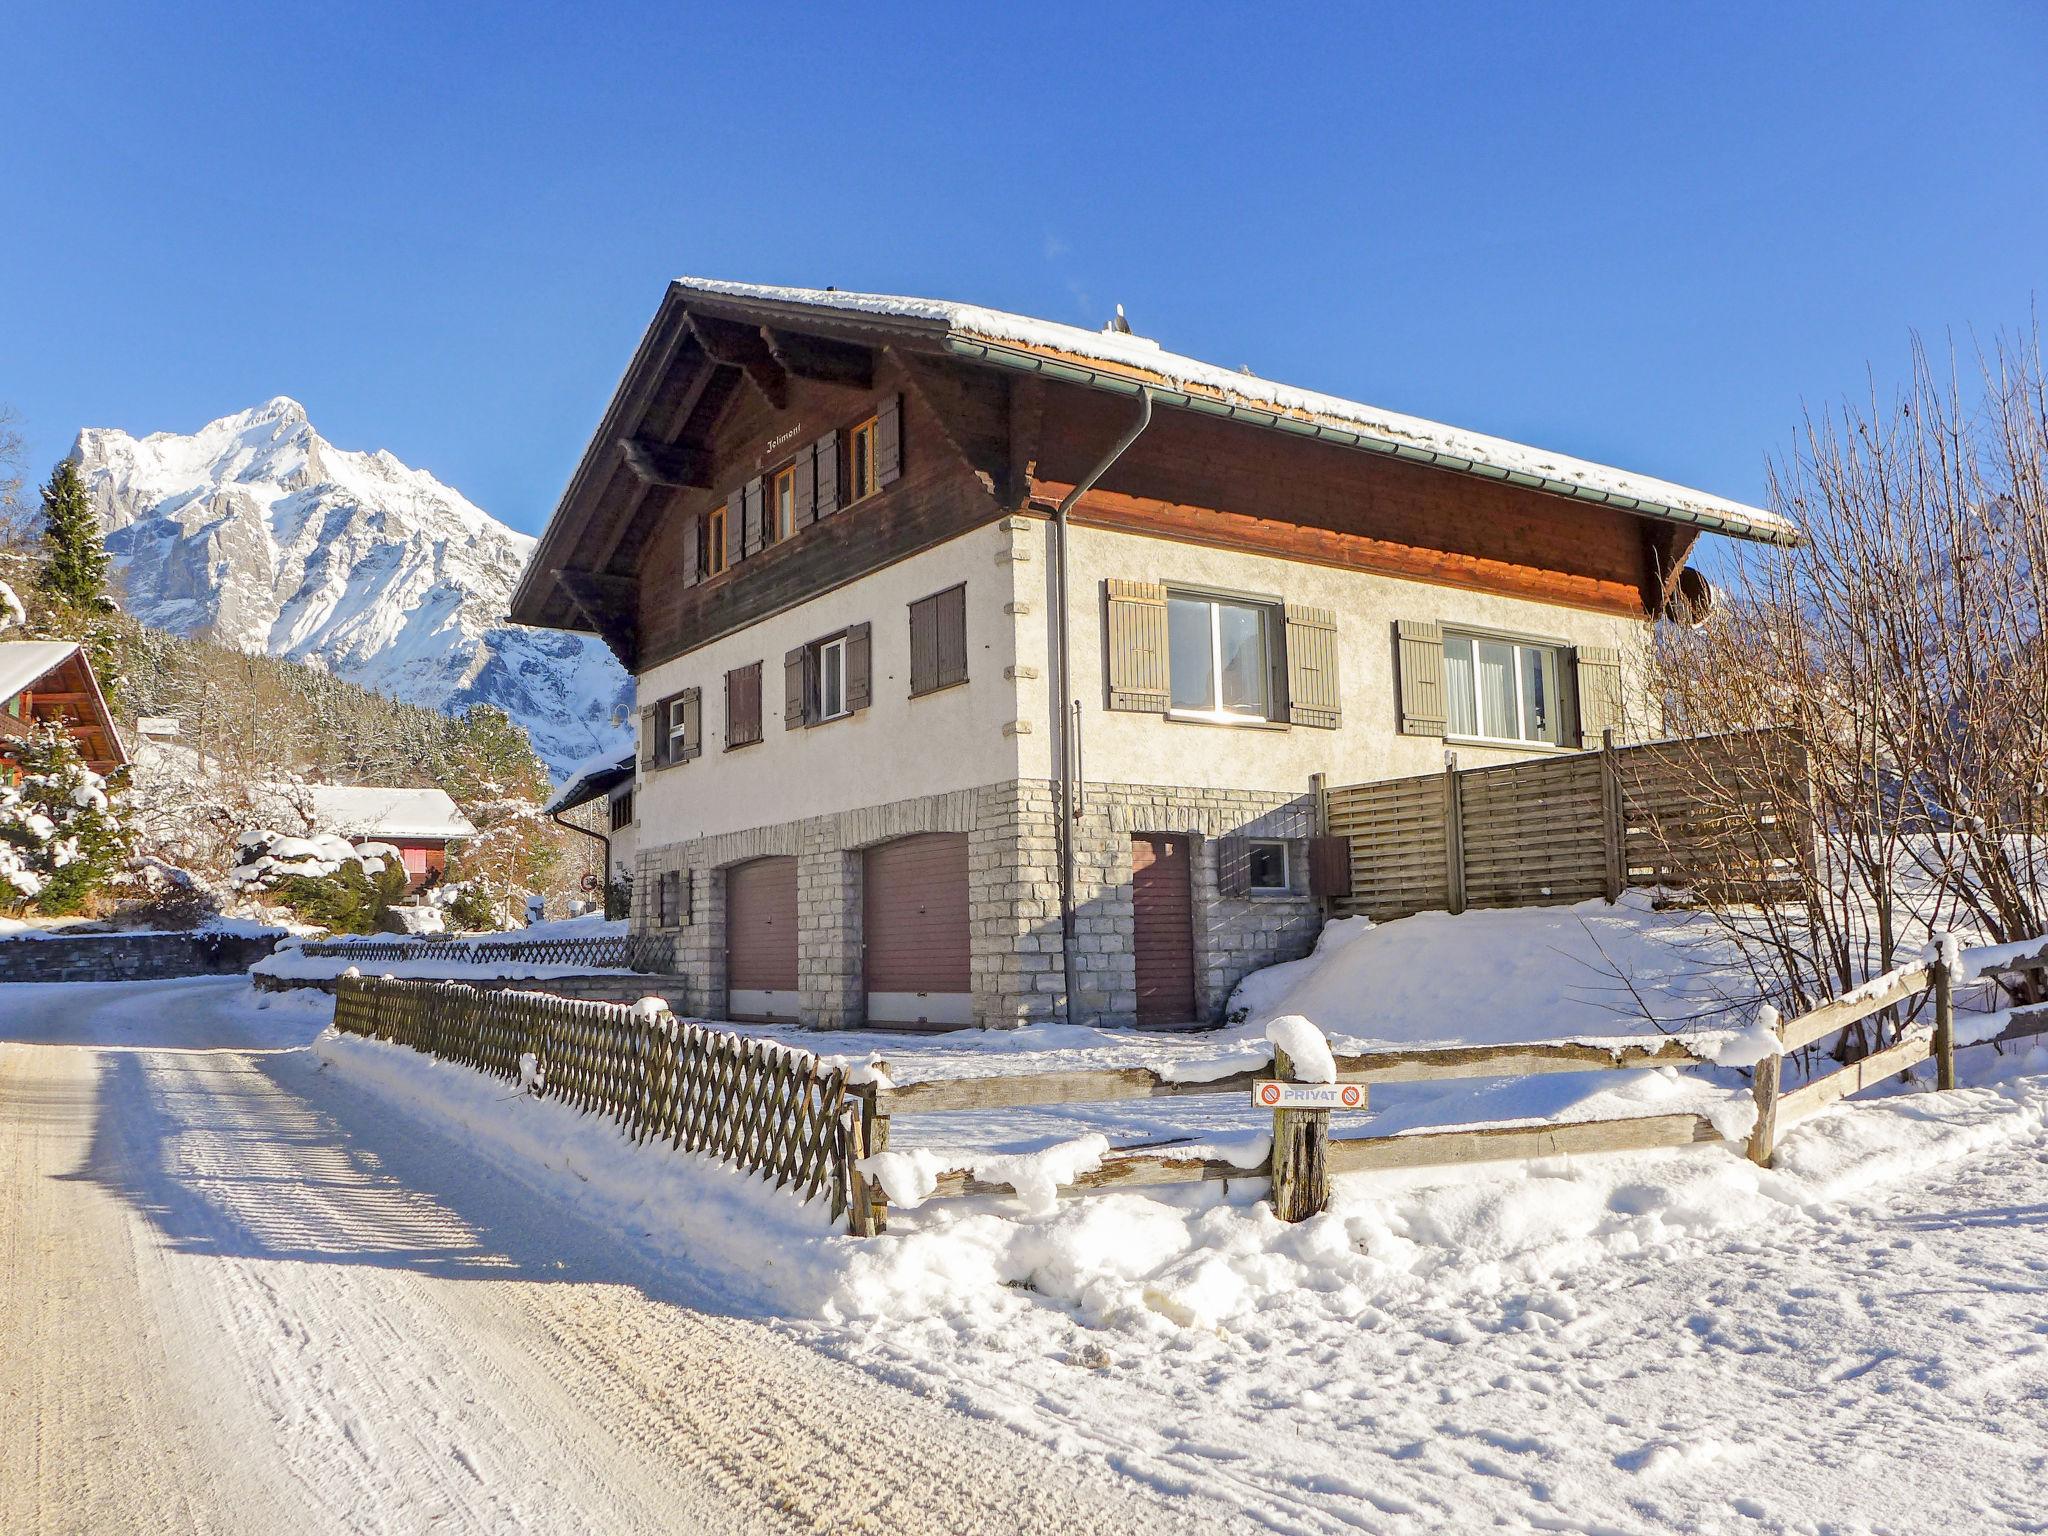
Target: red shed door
(914, 920)
(1164, 941)
(760, 939)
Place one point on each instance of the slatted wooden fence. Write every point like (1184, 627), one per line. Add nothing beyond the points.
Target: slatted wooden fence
(632, 951)
(1569, 828)
(763, 1107)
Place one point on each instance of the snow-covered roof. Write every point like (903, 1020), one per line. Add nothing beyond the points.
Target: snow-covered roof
(24, 663)
(361, 810)
(597, 774)
(996, 336)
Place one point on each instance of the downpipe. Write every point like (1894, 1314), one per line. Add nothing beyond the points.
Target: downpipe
(1066, 709)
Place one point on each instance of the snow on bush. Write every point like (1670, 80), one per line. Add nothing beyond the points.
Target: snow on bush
(12, 614)
(60, 837)
(324, 878)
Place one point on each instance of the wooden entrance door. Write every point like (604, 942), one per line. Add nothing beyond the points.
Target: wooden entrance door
(760, 939)
(1162, 898)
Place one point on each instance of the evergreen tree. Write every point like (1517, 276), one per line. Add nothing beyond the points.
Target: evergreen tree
(74, 554)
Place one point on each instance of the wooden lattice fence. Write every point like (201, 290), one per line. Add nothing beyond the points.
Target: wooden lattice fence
(1574, 827)
(609, 952)
(763, 1107)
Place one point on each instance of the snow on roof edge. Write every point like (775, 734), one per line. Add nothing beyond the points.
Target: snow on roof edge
(1392, 427)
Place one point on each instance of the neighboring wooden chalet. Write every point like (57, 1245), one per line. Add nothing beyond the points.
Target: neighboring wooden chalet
(51, 682)
(1040, 753)
(419, 823)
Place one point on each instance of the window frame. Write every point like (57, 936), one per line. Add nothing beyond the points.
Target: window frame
(1272, 634)
(712, 538)
(777, 481)
(1565, 703)
(675, 741)
(1286, 885)
(833, 646)
(857, 487)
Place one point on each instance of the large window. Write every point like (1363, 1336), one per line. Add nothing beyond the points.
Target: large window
(1504, 690)
(1219, 657)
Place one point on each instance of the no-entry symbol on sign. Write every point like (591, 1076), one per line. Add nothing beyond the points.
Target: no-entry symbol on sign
(1270, 1093)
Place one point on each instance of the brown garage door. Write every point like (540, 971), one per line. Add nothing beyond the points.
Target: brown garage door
(1164, 940)
(914, 913)
(760, 939)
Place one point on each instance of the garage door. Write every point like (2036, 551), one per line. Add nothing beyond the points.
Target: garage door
(1164, 940)
(914, 911)
(760, 939)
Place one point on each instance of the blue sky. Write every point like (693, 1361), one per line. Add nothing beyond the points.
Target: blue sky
(1646, 235)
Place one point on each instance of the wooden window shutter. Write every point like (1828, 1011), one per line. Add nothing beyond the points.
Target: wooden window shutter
(859, 666)
(1313, 697)
(924, 645)
(650, 737)
(1137, 646)
(796, 687)
(1421, 645)
(1599, 688)
(889, 440)
(743, 705)
(825, 463)
(688, 880)
(806, 490)
(753, 506)
(1329, 866)
(735, 525)
(693, 723)
(693, 567)
(952, 641)
(1233, 866)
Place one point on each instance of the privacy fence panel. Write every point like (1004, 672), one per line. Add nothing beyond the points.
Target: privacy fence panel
(1724, 810)
(762, 1107)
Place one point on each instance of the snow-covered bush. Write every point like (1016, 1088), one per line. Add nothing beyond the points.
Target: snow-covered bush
(323, 879)
(12, 614)
(60, 838)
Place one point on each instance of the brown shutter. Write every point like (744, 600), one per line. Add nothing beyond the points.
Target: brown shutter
(859, 666)
(1233, 866)
(743, 705)
(650, 741)
(691, 567)
(952, 636)
(825, 460)
(735, 525)
(938, 641)
(889, 440)
(755, 535)
(924, 645)
(1329, 866)
(806, 489)
(1599, 687)
(1137, 646)
(795, 687)
(693, 723)
(1421, 645)
(1313, 697)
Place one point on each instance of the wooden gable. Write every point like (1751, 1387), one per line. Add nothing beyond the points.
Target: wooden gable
(68, 696)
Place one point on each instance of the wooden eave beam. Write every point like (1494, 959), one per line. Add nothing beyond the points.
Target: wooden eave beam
(1027, 422)
(672, 466)
(1666, 546)
(742, 347)
(815, 357)
(607, 606)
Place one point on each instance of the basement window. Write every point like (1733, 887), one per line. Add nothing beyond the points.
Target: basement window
(1266, 863)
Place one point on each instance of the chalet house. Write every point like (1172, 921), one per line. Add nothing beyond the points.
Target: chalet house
(51, 682)
(986, 664)
(419, 823)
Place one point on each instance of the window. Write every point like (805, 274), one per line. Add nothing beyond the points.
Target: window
(1503, 690)
(860, 462)
(678, 729)
(711, 546)
(782, 522)
(1219, 658)
(622, 810)
(743, 706)
(831, 675)
(938, 641)
(1267, 867)
(668, 899)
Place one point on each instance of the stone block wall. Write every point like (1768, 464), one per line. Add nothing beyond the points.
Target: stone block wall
(131, 956)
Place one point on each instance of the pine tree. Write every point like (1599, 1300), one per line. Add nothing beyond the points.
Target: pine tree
(74, 554)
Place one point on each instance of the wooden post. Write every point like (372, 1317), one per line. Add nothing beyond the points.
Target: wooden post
(1454, 836)
(1319, 826)
(1944, 1015)
(868, 1215)
(1614, 825)
(1301, 1155)
(1763, 1137)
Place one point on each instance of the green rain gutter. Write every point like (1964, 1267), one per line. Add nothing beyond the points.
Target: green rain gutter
(1095, 378)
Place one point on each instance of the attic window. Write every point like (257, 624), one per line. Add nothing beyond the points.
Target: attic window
(861, 479)
(783, 520)
(712, 547)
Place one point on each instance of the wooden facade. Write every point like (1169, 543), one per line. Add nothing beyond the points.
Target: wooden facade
(66, 694)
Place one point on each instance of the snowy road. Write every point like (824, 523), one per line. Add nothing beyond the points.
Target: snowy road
(241, 1296)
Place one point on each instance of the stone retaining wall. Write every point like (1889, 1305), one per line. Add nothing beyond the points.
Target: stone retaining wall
(130, 956)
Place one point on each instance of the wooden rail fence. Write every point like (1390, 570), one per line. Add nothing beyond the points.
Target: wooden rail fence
(763, 1107)
(1570, 828)
(632, 951)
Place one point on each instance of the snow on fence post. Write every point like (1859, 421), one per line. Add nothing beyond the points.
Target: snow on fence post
(1301, 1154)
(867, 1212)
(1766, 1077)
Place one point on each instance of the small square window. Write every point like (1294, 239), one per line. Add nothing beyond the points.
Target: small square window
(1220, 656)
(1267, 866)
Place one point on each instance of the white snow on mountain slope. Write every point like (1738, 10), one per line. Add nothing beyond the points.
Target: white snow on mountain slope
(257, 532)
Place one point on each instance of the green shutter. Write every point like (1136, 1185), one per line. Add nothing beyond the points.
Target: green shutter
(1313, 696)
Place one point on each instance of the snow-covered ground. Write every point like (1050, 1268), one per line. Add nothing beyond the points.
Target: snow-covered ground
(290, 962)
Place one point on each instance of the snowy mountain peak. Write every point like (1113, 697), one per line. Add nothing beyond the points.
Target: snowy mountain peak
(257, 532)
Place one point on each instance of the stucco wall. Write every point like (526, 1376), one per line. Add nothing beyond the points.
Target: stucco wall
(897, 748)
(1150, 749)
